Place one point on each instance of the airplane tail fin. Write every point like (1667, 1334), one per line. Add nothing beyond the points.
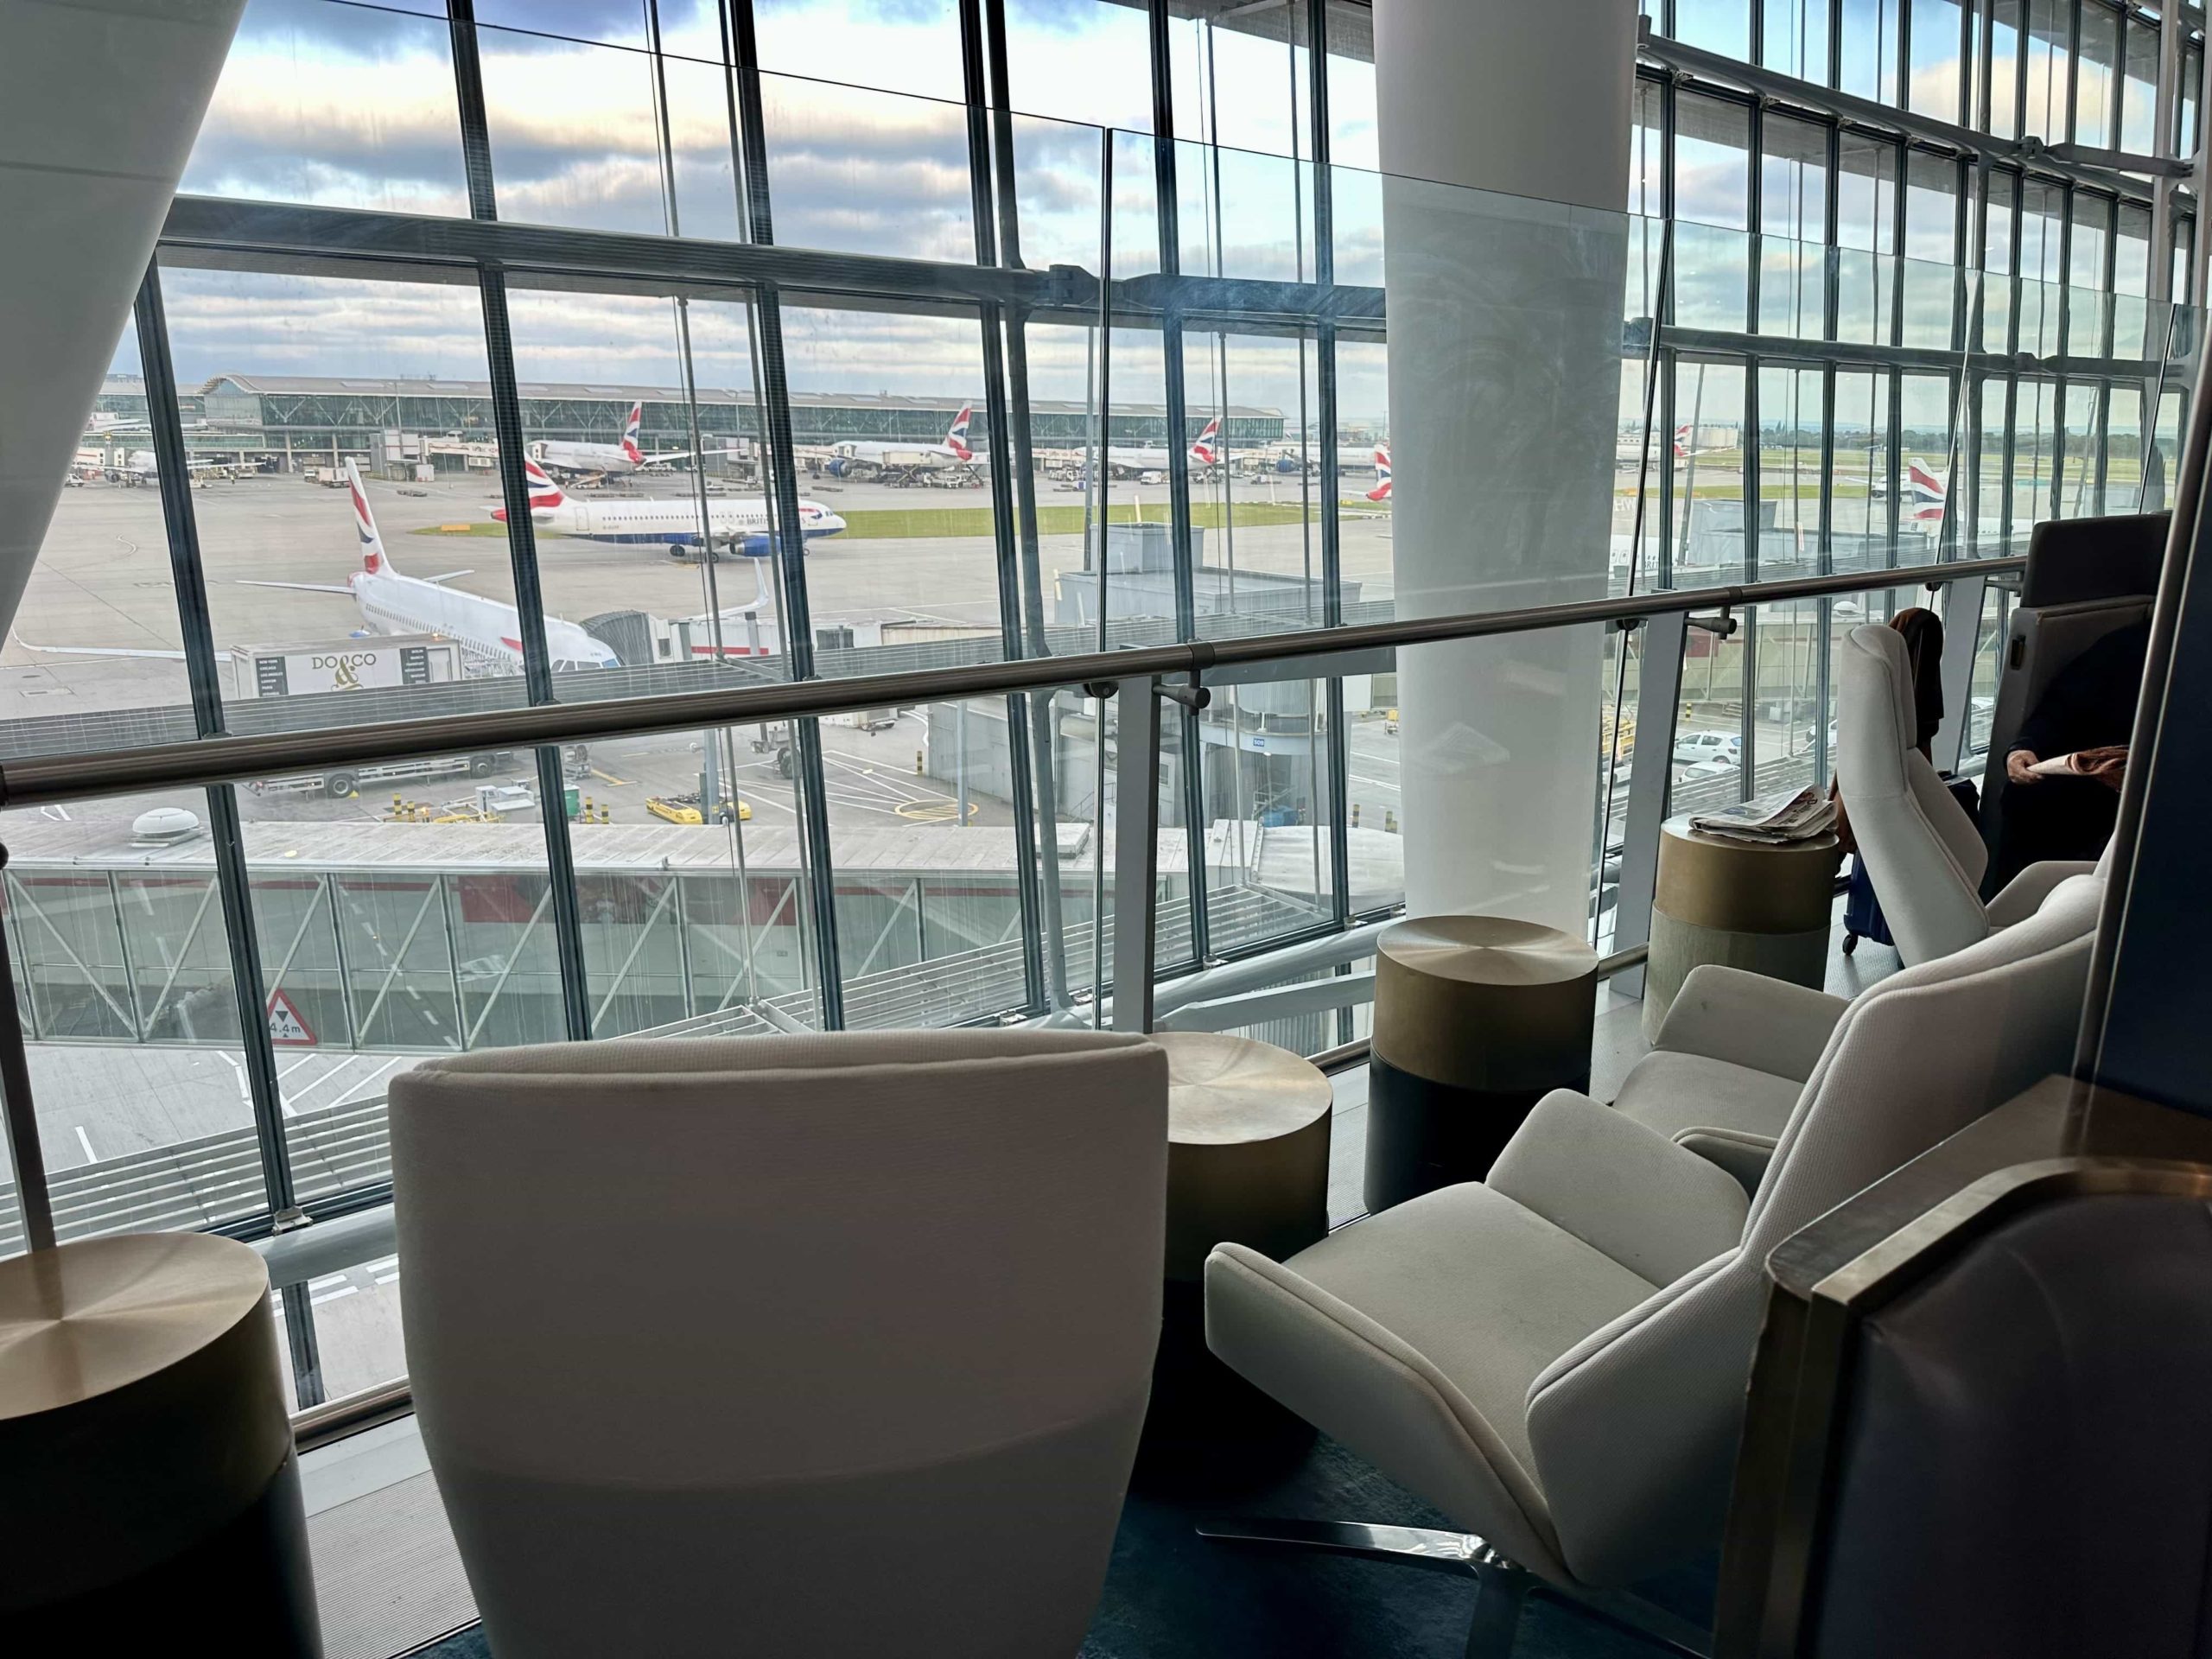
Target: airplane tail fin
(374, 559)
(630, 435)
(543, 491)
(1382, 490)
(957, 438)
(1204, 450)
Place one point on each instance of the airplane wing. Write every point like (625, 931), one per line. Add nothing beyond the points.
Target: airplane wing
(442, 575)
(302, 587)
(101, 651)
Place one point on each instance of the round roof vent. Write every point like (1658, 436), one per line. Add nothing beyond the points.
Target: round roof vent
(164, 825)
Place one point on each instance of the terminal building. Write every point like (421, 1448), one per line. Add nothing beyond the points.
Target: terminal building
(282, 422)
(1516, 893)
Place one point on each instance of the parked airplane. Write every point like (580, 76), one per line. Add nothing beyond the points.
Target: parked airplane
(1382, 490)
(577, 460)
(1141, 459)
(489, 630)
(736, 524)
(858, 458)
(140, 466)
(1922, 493)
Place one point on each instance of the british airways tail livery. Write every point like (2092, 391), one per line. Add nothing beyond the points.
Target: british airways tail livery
(955, 439)
(1205, 450)
(637, 456)
(1382, 490)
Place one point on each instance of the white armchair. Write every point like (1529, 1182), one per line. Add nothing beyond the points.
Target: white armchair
(1557, 1358)
(833, 1345)
(1923, 851)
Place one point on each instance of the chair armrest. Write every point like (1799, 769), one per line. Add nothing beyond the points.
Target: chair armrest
(1657, 1208)
(1742, 1154)
(2024, 895)
(1769, 1024)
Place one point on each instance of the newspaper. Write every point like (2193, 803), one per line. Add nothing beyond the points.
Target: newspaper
(1775, 820)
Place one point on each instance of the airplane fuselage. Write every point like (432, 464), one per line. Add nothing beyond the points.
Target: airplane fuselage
(487, 630)
(740, 524)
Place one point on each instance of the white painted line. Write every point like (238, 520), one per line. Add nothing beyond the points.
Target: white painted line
(354, 1093)
(387, 1278)
(85, 1141)
(380, 1264)
(333, 1295)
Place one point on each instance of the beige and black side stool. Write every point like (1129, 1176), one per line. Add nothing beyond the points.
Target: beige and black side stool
(1476, 1019)
(1248, 1161)
(149, 1495)
(1765, 909)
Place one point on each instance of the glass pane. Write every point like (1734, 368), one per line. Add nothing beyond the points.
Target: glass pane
(608, 137)
(341, 105)
(1723, 25)
(653, 531)
(912, 45)
(1870, 41)
(95, 655)
(1797, 39)
(1938, 68)
(868, 172)
(1707, 521)
(123, 982)
(317, 623)
(1087, 60)
(1269, 863)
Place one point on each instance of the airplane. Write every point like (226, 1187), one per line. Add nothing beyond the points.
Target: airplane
(489, 631)
(856, 458)
(575, 459)
(1382, 490)
(738, 524)
(140, 466)
(1923, 492)
(1121, 461)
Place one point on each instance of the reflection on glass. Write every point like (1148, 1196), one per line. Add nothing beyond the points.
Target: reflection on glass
(123, 982)
(340, 105)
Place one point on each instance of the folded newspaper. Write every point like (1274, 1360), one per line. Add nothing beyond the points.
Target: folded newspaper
(1773, 820)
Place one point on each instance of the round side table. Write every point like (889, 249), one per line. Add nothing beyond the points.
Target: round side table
(1477, 1018)
(1247, 1161)
(1765, 909)
(152, 1489)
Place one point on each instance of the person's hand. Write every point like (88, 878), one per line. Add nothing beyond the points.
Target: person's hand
(2016, 765)
(2107, 764)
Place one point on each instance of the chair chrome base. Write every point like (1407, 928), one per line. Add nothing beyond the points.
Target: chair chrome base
(1504, 1585)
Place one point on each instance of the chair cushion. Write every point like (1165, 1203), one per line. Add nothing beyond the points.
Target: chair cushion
(1668, 1093)
(1413, 1336)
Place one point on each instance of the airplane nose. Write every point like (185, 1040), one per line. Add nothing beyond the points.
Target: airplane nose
(831, 523)
(499, 515)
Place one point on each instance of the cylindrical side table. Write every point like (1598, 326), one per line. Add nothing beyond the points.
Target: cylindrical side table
(1476, 1019)
(151, 1495)
(1247, 1161)
(1765, 909)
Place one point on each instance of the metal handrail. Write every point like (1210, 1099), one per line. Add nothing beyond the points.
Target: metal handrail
(37, 780)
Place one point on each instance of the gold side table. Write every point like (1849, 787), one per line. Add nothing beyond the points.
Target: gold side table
(1248, 1162)
(1477, 1018)
(150, 1498)
(1765, 909)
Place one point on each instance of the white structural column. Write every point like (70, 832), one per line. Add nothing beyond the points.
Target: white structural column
(1505, 131)
(100, 103)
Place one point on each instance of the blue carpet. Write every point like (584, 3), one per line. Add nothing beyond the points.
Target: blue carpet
(1172, 1595)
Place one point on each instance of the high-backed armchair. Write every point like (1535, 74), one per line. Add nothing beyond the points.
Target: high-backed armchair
(1557, 1357)
(1920, 847)
(830, 1345)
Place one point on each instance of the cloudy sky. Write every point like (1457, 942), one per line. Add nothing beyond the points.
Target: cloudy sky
(352, 105)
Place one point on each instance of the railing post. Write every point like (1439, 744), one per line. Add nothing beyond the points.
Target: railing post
(1961, 642)
(1136, 847)
(26, 1157)
(1658, 696)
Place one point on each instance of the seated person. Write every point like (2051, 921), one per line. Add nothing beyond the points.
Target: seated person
(2088, 711)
